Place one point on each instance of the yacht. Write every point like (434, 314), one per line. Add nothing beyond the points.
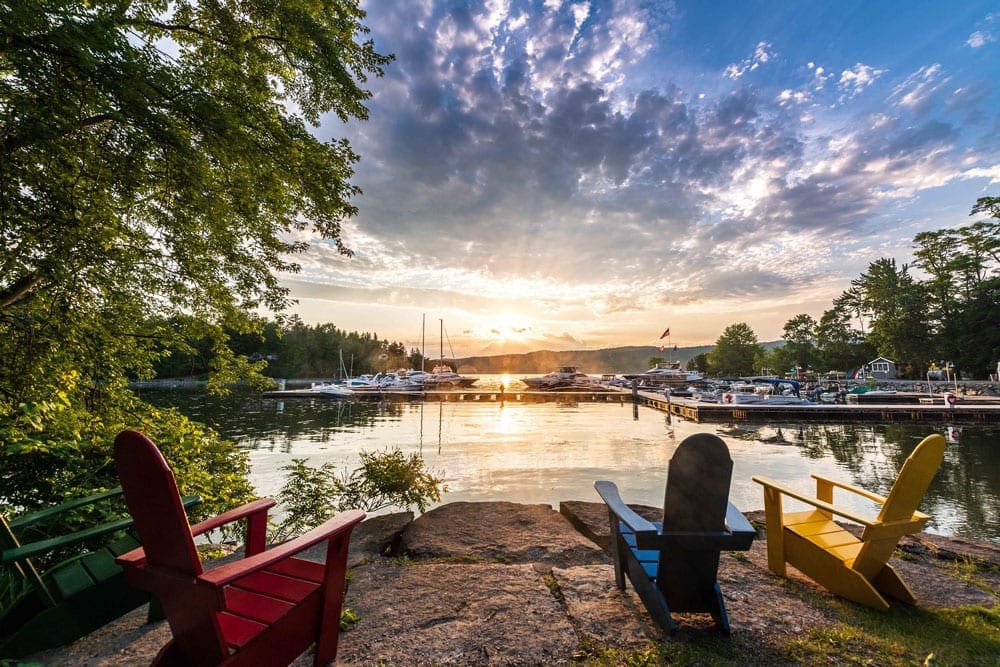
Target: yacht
(444, 377)
(668, 374)
(565, 377)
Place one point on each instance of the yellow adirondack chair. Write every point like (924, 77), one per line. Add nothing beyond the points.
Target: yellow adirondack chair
(856, 569)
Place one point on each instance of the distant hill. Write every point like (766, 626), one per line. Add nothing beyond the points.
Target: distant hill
(634, 359)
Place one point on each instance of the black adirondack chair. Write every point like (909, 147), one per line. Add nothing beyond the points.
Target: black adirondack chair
(673, 565)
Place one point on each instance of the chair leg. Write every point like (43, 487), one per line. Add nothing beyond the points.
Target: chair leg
(830, 572)
(651, 596)
(888, 582)
(333, 601)
(718, 611)
(618, 547)
(775, 530)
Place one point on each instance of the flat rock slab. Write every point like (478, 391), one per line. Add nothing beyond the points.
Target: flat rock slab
(601, 614)
(592, 521)
(455, 614)
(501, 531)
(375, 536)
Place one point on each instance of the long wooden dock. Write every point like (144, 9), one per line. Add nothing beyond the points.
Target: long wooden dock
(966, 411)
(470, 395)
(937, 412)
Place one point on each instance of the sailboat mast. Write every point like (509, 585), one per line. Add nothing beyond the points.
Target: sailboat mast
(442, 340)
(423, 340)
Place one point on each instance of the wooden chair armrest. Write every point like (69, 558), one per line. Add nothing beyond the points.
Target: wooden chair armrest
(791, 493)
(33, 549)
(894, 529)
(225, 574)
(736, 522)
(705, 541)
(609, 494)
(742, 531)
(848, 487)
(134, 558)
(49, 512)
(235, 514)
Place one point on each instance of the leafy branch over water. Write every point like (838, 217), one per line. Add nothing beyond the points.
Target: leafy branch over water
(384, 479)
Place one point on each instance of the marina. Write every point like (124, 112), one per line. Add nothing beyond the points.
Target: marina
(551, 447)
(920, 409)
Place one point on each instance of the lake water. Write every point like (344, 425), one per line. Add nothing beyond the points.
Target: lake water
(550, 452)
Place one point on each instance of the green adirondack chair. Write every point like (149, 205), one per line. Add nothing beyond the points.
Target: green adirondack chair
(44, 608)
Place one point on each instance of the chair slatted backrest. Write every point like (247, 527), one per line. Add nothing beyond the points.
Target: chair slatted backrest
(914, 479)
(907, 491)
(698, 479)
(155, 504)
(695, 501)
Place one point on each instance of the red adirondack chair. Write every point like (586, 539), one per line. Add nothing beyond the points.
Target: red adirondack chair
(266, 609)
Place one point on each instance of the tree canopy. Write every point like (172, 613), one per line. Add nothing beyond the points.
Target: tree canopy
(736, 351)
(951, 316)
(156, 171)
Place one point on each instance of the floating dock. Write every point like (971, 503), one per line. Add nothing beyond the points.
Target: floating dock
(469, 395)
(968, 410)
(964, 412)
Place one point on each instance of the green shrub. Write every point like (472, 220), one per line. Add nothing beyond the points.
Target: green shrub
(386, 479)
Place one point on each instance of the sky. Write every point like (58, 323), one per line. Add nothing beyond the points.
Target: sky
(584, 174)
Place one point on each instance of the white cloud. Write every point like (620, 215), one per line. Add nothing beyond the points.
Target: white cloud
(853, 81)
(820, 76)
(761, 55)
(992, 173)
(788, 97)
(979, 39)
(919, 89)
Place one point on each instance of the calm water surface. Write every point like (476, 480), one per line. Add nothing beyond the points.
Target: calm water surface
(550, 452)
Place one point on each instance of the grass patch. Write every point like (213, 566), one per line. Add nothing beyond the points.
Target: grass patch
(905, 636)
(699, 649)
(348, 617)
(968, 570)
(553, 586)
(458, 559)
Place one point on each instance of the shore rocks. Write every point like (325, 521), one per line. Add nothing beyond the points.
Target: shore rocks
(502, 531)
(502, 583)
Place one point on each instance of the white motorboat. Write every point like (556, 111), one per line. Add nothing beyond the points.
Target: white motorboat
(336, 390)
(668, 374)
(764, 390)
(443, 376)
(565, 377)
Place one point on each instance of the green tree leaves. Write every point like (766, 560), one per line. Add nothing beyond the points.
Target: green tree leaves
(156, 170)
(390, 478)
(736, 351)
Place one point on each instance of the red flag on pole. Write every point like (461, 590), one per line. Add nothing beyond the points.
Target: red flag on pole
(665, 333)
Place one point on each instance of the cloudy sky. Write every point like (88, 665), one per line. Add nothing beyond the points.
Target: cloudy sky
(557, 174)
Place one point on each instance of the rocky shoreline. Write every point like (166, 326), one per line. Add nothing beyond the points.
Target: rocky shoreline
(501, 583)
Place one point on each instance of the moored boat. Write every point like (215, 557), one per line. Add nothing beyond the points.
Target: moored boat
(565, 377)
(669, 374)
(336, 390)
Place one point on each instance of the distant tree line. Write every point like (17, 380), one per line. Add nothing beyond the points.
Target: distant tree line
(951, 316)
(293, 349)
